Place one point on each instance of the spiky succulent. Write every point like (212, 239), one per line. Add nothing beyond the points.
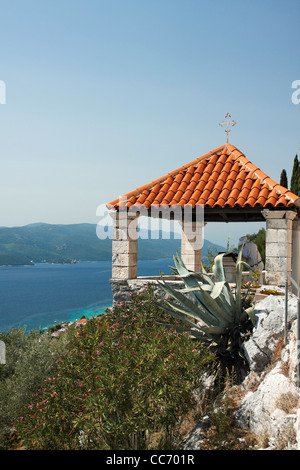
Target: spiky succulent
(208, 306)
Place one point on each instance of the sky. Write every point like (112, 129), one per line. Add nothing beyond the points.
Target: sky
(104, 96)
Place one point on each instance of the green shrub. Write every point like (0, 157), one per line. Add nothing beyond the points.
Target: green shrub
(28, 362)
(122, 379)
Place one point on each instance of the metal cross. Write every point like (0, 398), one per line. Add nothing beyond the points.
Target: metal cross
(233, 123)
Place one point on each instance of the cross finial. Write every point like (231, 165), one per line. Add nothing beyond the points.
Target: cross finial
(233, 123)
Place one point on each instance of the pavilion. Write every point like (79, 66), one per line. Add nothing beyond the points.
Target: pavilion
(228, 188)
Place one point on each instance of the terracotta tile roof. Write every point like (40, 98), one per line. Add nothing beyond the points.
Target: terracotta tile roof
(222, 178)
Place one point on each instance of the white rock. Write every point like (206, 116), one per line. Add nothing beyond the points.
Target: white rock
(270, 406)
(270, 318)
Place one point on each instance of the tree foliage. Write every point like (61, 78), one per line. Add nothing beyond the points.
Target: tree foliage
(295, 178)
(122, 379)
(284, 179)
(28, 363)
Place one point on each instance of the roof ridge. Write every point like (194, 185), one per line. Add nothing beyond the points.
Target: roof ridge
(170, 188)
(262, 179)
(173, 174)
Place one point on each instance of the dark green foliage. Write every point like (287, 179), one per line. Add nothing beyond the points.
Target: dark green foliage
(63, 243)
(122, 379)
(28, 363)
(295, 179)
(284, 179)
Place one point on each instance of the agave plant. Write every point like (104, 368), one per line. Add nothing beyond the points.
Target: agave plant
(207, 305)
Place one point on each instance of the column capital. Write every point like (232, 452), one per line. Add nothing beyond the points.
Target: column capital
(282, 214)
(123, 215)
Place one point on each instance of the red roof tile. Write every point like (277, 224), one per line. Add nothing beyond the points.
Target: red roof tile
(221, 178)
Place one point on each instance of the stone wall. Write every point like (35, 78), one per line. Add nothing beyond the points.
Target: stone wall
(123, 288)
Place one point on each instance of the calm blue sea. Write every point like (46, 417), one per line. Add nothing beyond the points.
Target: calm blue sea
(45, 294)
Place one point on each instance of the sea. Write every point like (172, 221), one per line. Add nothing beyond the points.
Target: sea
(36, 297)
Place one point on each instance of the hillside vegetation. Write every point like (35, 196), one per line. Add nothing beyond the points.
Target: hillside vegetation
(64, 243)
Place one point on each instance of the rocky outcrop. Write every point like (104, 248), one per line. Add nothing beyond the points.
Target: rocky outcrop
(270, 407)
(268, 403)
(269, 329)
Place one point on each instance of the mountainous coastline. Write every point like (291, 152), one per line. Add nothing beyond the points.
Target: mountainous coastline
(50, 243)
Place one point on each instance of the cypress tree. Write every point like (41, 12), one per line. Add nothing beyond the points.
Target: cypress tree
(283, 179)
(295, 179)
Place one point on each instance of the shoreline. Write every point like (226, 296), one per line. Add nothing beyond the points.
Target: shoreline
(63, 325)
(72, 262)
(66, 317)
(59, 293)
(87, 312)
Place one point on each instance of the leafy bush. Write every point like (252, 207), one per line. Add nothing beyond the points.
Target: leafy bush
(28, 362)
(123, 379)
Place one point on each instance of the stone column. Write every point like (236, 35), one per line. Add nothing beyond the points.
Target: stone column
(279, 226)
(124, 246)
(296, 251)
(191, 245)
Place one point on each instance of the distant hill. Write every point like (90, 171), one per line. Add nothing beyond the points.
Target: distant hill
(65, 243)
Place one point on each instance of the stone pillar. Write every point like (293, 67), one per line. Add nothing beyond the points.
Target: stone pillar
(296, 251)
(124, 246)
(279, 226)
(191, 245)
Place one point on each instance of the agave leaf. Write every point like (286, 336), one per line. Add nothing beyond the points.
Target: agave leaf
(190, 278)
(230, 299)
(206, 337)
(195, 328)
(214, 308)
(221, 292)
(217, 307)
(205, 287)
(250, 313)
(180, 266)
(180, 315)
(185, 312)
(190, 308)
(217, 289)
(204, 278)
(191, 282)
(243, 263)
(218, 269)
(217, 311)
(215, 330)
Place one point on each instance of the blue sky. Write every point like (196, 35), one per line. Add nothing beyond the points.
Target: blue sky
(103, 96)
